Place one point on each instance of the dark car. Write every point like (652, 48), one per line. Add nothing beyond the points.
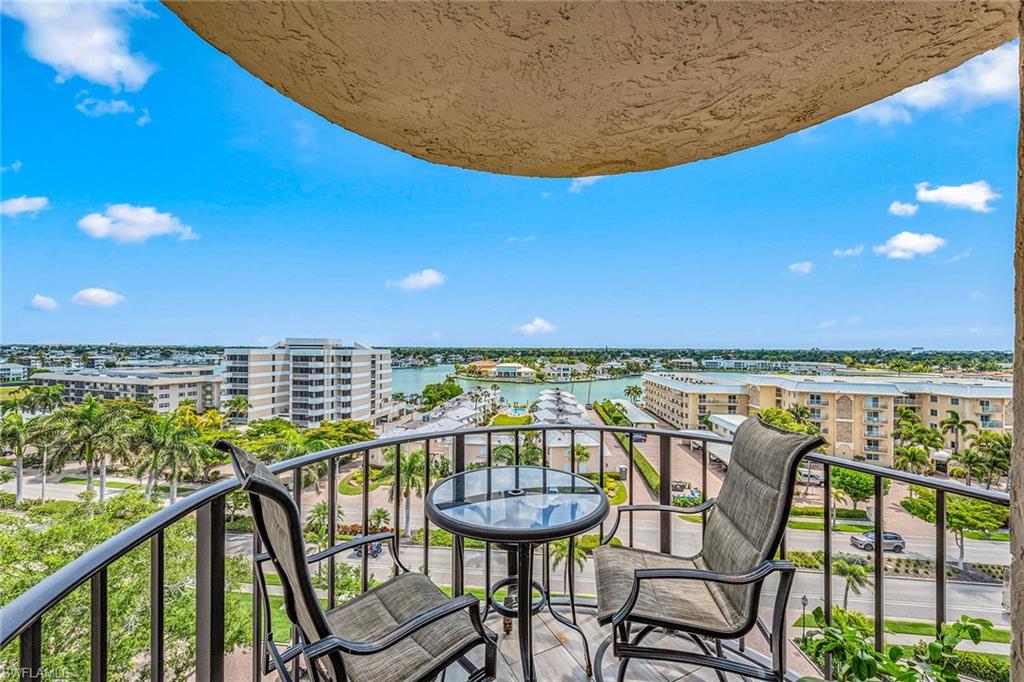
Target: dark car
(890, 541)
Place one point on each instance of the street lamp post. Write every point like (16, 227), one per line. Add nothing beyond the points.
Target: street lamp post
(803, 617)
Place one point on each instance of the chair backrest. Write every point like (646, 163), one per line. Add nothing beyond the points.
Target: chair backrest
(746, 525)
(279, 527)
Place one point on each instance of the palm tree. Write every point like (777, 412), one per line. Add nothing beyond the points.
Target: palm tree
(410, 479)
(380, 518)
(912, 458)
(504, 454)
(580, 454)
(559, 550)
(996, 448)
(973, 462)
(958, 427)
(14, 436)
(801, 413)
(169, 445)
(238, 406)
(633, 392)
(838, 498)
(85, 433)
(856, 578)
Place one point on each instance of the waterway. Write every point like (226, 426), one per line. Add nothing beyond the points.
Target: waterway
(412, 380)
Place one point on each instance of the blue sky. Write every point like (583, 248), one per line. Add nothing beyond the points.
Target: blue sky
(155, 192)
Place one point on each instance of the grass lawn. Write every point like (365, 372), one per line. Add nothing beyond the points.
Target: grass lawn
(348, 487)
(921, 628)
(820, 525)
(8, 391)
(121, 485)
(511, 420)
(999, 535)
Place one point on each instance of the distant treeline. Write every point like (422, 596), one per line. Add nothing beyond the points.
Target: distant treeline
(875, 357)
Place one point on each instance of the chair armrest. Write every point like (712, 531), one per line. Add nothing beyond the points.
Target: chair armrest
(757, 574)
(630, 508)
(363, 648)
(348, 544)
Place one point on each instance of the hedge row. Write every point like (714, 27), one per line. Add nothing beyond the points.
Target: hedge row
(837, 512)
(611, 415)
(982, 666)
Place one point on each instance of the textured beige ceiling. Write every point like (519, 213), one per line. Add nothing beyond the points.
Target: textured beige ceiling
(588, 88)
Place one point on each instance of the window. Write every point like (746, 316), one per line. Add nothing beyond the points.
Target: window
(933, 413)
(934, 398)
(954, 401)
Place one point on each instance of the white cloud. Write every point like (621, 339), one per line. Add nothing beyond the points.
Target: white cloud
(84, 39)
(424, 279)
(144, 119)
(974, 330)
(851, 252)
(907, 245)
(958, 257)
(976, 295)
(579, 184)
(91, 106)
(93, 296)
(854, 320)
(433, 336)
(901, 209)
(128, 223)
(974, 196)
(538, 326)
(15, 167)
(40, 302)
(990, 77)
(304, 134)
(23, 204)
(801, 268)
(827, 324)
(513, 240)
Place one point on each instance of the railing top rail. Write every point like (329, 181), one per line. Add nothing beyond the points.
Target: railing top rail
(952, 487)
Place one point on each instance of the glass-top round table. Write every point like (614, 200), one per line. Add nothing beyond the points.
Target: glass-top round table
(519, 507)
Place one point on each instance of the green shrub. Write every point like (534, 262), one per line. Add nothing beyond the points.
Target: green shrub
(7, 461)
(982, 666)
(684, 501)
(837, 512)
(589, 542)
(614, 416)
(243, 524)
(806, 559)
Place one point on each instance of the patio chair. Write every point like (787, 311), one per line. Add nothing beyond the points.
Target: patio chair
(713, 595)
(404, 629)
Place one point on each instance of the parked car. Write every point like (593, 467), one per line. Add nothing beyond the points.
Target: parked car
(808, 477)
(679, 486)
(590, 406)
(890, 541)
(639, 437)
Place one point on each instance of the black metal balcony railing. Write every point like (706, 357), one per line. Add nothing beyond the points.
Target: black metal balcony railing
(22, 618)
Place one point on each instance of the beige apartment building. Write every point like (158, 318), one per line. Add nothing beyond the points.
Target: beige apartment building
(164, 387)
(855, 414)
(311, 380)
(686, 400)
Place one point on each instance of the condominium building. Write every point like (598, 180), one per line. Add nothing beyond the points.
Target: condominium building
(310, 380)
(165, 388)
(10, 371)
(855, 414)
(686, 400)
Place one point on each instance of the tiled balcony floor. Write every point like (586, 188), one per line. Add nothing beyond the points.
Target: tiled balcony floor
(558, 654)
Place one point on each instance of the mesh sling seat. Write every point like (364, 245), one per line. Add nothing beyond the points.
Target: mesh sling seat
(402, 630)
(713, 595)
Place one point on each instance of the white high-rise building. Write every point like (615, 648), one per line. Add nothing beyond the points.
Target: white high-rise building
(310, 380)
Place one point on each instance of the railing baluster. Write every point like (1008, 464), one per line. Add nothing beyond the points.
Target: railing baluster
(572, 451)
(156, 605)
(827, 559)
(487, 546)
(940, 560)
(332, 528)
(600, 464)
(632, 467)
(210, 592)
(458, 554)
(665, 492)
(396, 505)
(365, 555)
(257, 615)
(98, 626)
(703, 485)
(297, 496)
(30, 652)
(879, 566)
(517, 447)
(426, 521)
